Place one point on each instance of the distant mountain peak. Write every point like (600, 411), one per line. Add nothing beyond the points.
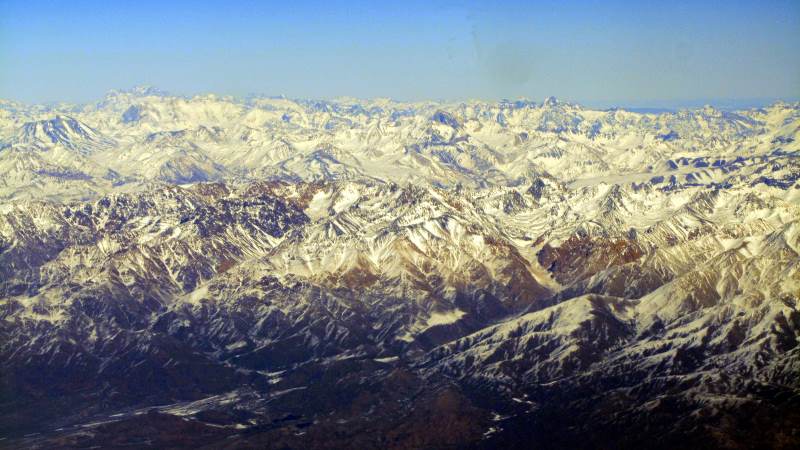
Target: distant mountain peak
(550, 101)
(140, 91)
(62, 130)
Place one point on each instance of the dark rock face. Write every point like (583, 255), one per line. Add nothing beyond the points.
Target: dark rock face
(132, 114)
(581, 256)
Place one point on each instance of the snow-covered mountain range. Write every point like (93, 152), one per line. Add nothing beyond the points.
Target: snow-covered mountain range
(374, 274)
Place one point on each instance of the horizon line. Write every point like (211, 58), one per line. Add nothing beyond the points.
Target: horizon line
(643, 105)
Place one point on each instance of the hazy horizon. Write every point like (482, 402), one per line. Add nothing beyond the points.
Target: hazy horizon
(658, 105)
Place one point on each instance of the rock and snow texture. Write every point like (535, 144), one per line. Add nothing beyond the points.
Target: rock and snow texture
(531, 272)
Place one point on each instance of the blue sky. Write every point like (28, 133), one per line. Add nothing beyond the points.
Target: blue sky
(603, 53)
